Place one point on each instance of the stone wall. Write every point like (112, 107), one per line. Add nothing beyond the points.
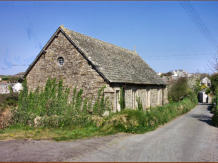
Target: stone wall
(165, 95)
(150, 96)
(75, 72)
(4, 88)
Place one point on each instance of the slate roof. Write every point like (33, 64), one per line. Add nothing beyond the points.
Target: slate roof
(116, 64)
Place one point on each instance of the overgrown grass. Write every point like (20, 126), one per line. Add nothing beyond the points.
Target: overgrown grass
(50, 114)
(128, 120)
(138, 121)
(8, 100)
(52, 107)
(58, 134)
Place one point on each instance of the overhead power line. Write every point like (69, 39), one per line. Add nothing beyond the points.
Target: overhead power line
(196, 18)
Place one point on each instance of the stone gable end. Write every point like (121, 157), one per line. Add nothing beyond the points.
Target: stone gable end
(62, 60)
(75, 71)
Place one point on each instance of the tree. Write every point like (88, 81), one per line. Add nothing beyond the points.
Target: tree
(214, 82)
(179, 90)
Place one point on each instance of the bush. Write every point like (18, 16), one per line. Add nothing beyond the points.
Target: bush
(197, 86)
(179, 90)
(122, 99)
(139, 103)
(10, 79)
(52, 107)
(215, 119)
(215, 109)
(8, 100)
(214, 89)
(214, 82)
(139, 121)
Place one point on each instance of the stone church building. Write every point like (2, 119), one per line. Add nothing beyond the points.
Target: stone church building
(90, 64)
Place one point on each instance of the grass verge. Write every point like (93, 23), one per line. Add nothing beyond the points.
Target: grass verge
(58, 134)
(137, 121)
(128, 120)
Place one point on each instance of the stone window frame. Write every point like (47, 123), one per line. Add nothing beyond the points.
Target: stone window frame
(60, 61)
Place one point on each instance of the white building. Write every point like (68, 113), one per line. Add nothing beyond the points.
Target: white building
(17, 87)
(179, 73)
(206, 81)
(202, 97)
(159, 73)
(4, 87)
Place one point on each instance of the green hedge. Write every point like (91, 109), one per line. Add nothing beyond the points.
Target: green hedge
(214, 88)
(136, 121)
(215, 109)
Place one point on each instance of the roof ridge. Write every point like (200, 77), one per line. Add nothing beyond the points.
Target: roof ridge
(66, 30)
(114, 62)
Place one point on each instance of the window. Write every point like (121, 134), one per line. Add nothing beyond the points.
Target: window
(60, 61)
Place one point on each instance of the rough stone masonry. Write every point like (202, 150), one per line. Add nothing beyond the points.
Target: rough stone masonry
(87, 63)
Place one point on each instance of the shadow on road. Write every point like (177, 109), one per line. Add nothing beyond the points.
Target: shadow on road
(204, 117)
(204, 104)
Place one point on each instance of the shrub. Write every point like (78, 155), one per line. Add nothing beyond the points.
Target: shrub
(139, 103)
(7, 101)
(122, 99)
(215, 119)
(52, 107)
(214, 89)
(166, 74)
(179, 90)
(214, 82)
(197, 86)
(100, 105)
(207, 91)
(138, 121)
(5, 78)
(215, 109)
(11, 79)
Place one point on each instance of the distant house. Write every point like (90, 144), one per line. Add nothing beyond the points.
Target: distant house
(17, 87)
(90, 64)
(202, 97)
(179, 73)
(4, 87)
(206, 81)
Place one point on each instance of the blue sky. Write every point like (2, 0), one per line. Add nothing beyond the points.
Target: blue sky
(167, 35)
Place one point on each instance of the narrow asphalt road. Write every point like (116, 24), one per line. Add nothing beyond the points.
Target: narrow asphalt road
(188, 138)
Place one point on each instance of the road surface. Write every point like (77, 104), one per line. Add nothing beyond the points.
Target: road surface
(189, 137)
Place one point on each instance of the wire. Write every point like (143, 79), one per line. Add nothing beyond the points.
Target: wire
(196, 18)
